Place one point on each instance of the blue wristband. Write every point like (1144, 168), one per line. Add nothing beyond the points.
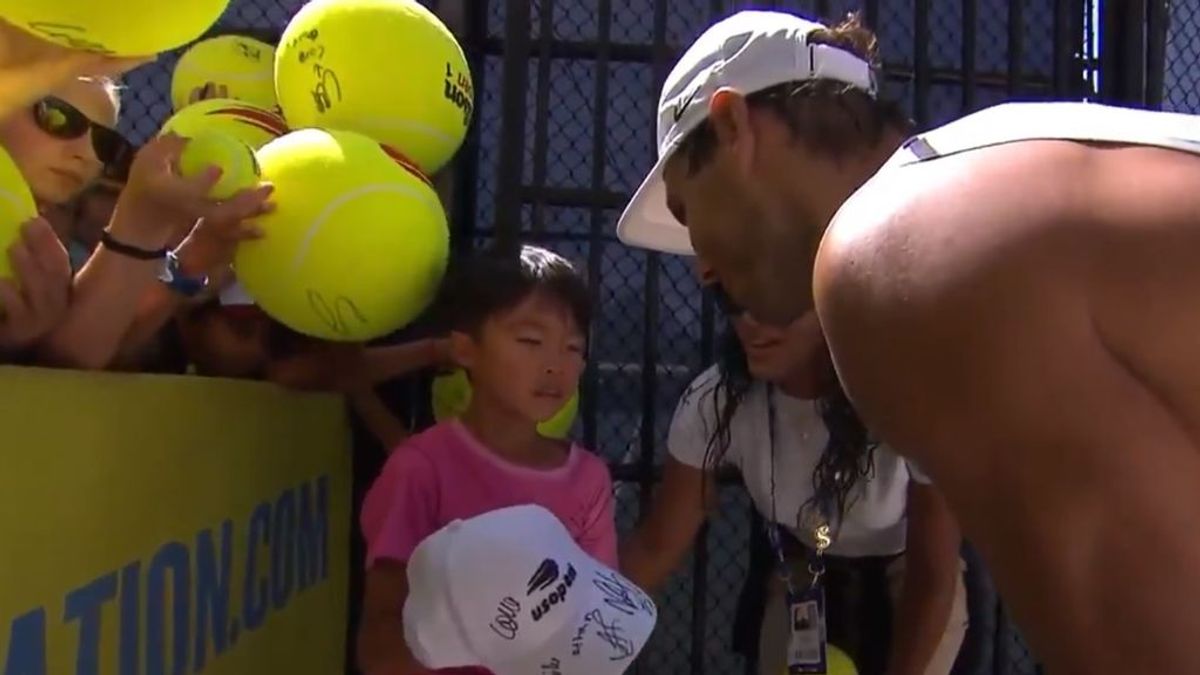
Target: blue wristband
(172, 275)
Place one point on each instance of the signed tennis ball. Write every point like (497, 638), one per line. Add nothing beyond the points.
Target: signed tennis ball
(356, 245)
(388, 69)
(243, 65)
(125, 28)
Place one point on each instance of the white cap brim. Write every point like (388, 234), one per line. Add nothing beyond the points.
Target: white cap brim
(648, 223)
(749, 51)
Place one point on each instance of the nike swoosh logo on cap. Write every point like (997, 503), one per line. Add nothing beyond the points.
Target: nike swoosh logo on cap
(680, 108)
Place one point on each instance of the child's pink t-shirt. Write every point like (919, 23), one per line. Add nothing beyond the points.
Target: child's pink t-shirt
(445, 473)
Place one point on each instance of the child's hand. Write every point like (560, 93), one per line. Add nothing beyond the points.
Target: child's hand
(441, 354)
(37, 301)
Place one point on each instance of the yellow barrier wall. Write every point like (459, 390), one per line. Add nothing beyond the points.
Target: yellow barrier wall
(159, 525)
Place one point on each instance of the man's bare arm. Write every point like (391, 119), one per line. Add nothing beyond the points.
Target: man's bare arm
(1050, 450)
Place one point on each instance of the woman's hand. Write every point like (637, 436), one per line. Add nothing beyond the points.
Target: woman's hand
(158, 206)
(36, 300)
(210, 246)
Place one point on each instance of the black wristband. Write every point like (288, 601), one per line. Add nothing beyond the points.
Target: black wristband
(107, 241)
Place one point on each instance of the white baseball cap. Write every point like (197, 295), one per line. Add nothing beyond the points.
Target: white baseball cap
(511, 591)
(749, 51)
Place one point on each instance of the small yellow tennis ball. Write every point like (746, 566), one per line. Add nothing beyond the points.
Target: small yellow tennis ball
(250, 124)
(16, 208)
(243, 65)
(126, 28)
(388, 69)
(357, 244)
(239, 169)
(838, 662)
(451, 394)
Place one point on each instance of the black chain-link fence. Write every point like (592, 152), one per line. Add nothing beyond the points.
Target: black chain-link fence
(564, 132)
(1181, 77)
(584, 102)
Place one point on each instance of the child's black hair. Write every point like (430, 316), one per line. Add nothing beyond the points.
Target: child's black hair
(499, 279)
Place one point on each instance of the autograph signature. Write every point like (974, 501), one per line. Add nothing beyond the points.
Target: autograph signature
(505, 623)
(610, 632)
(619, 596)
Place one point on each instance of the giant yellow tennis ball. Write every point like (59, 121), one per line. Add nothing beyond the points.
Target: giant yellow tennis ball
(388, 69)
(357, 244)
(124, 28)
(451, 394)
(243, 65)
(16, 208)
(250, 124)
(239, 169)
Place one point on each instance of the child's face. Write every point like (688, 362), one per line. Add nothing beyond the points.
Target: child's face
(526, 361)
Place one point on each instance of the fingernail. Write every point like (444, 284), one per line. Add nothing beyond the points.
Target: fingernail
(267, 188)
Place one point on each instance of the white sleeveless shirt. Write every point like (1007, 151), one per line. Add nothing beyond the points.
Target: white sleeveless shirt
(1065, 121)
(874, 523)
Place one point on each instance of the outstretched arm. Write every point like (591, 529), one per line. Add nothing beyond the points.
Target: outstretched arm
(654, 550)
(931, 571)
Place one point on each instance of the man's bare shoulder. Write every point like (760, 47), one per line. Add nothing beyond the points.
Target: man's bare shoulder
(933, 273)
(1048, 204)
(938, 243)
(987, 273)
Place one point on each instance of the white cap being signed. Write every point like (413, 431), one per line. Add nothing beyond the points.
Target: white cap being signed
(748, 51)
(511, 591)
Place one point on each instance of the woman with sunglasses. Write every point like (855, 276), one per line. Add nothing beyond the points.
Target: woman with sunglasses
(61, 144)
(828, 496)
(63, 140)
(52, 145)
(165, 238)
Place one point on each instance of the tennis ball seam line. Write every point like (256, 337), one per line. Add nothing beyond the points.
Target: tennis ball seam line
(406, 163)
(390, 123)
(319, 221)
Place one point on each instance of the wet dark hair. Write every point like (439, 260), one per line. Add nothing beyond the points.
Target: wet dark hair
(849, 454)
(484, 285)
(826, 116)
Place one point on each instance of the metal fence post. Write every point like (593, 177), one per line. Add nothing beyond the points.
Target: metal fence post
(511, 162)
(1132, 51)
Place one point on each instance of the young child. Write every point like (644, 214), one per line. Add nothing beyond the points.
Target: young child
(518, 325)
